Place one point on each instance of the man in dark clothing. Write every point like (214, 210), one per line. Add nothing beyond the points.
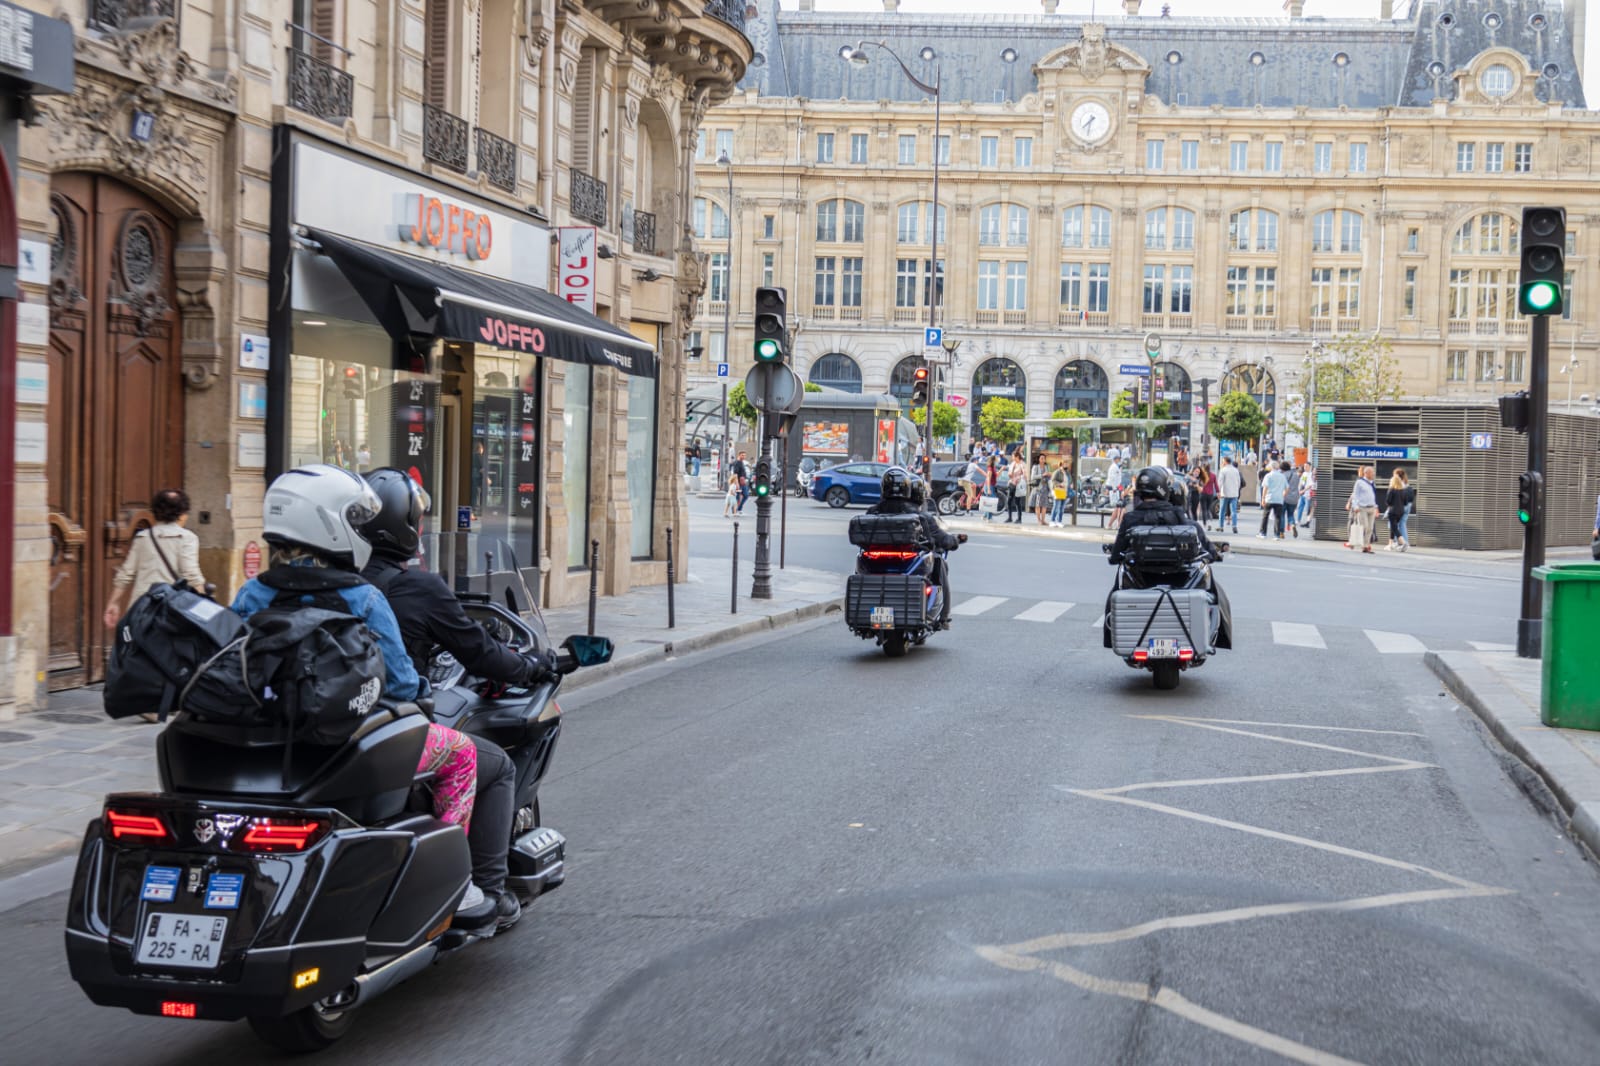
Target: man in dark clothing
(1154, 489)
(902, 493)
(740, 470)
(429, 614)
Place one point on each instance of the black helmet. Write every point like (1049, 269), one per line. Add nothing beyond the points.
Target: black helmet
(896, 484)
(919, 491)
(1153, 483)
(395, 532)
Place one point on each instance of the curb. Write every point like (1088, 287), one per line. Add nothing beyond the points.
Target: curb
(1556, 762)
(702, 641)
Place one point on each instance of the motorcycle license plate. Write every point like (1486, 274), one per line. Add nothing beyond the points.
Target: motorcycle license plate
(191, 941)
(1163, 648)
(883, 618)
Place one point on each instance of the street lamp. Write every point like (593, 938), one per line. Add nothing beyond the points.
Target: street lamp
(727, 330)
(857, 57)
(1311, 403)
(1571, 372)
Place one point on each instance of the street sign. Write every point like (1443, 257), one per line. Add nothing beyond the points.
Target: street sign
(773, 387)
(955, 399)
(1481, 441)
(722, 370)
(1142, 370)
(1375, 452)
(1325, 418)
(1152, 344)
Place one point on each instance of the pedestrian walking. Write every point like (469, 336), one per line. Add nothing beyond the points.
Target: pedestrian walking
(1363, 509)
(1060, 486)
(1308, 496)
(739, 474)
(1291, 500)
(730, 499)
(1017, 480)
(1273, 487)
(1394, 510)
(1114, 488)
(1208, 494)
(1229, 483)
(1411, 509)
(991, 489)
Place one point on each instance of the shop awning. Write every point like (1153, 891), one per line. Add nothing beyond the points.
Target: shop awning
(411, 297)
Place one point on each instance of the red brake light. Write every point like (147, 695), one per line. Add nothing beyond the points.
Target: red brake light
(879, 554)
(1186, 654)
(173, 1009)
(1140, 656)
(128, 824)
(268, 834)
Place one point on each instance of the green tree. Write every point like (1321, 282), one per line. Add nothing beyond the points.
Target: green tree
(1065, 432)
(992, 419)
(1125, 405)
(1237, 416)
(812, 386)
(740, 407)
(946, 419)
(1354, 368)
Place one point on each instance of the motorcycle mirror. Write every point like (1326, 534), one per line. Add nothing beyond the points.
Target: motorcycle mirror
(589, 651)
(1223, 548)
(961, 538)
(1106, 548)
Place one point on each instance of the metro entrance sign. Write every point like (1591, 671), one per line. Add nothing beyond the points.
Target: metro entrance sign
(1375, 452)
(1142, 370)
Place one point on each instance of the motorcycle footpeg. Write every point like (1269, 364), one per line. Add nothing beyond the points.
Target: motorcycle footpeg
(537, 862)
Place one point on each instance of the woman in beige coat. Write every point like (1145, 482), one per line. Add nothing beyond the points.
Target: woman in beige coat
(166, 552)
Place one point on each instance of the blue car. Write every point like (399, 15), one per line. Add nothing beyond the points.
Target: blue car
(848, 483)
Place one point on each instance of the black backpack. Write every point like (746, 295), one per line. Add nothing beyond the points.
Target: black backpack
(314, 669)
(162, 640)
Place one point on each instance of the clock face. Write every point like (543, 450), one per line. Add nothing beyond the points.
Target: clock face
(1091, 122)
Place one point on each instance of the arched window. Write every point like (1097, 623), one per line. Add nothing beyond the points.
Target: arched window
(1488, 234)
(1003, 224)
(998, 377)
(1169, 227)
(912, 222)
(705, 210)
(836, 371)
(1336, 231)
(841, 221)
(1253, 230)
(1256, 380)
(1083, 386)
(1175, 388)
(1086, 227)
(903, 378)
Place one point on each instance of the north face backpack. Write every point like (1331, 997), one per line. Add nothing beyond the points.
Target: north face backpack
(159, 644)
(315, 669)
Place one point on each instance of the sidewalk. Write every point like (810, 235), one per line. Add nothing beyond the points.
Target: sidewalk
(1503, 690)
(56, 765)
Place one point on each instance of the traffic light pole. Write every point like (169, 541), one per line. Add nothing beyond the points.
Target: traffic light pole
(1529, 623)
(761, 582)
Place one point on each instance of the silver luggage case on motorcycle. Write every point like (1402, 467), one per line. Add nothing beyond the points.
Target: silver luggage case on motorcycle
(1168, 613)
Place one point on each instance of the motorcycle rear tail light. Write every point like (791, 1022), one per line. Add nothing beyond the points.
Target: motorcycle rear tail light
(1185, 654)
(1140, 656)
(282, 834)
(171, 1008)
(133, 824)
(881, 554)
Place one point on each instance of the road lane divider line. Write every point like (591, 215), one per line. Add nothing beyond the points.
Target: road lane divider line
(1252, 778)
(1395, 643)
(977, 605)
(1045, 611)
(1280, 725)
(1195, 723)
(1298, 635)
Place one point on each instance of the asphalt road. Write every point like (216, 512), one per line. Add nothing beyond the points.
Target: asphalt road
(1004, 848)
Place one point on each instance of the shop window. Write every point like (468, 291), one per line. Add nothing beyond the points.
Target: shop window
(575, 418)
(642, 463)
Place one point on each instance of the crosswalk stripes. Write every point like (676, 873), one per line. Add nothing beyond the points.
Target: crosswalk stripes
(1298, 635)
(1044, 611)
(977, 605)
(1395, 643)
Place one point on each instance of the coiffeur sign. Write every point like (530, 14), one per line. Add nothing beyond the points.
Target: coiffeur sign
(575, 277)
(434, 222)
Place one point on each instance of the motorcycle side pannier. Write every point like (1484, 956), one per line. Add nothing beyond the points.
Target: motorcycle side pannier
(886, 531)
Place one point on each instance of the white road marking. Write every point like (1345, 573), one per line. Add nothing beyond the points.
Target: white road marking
(1252, 566)
(1063, 551)
(1395, 643)
(1099, 622)
(1298, 635)
(1044, 611)
(1277, 725)
(1482, 645)
(977, 605)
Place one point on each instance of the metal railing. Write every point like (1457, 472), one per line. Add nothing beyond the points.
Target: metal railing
(118, 15)
(497, 160)
(444, 138)
(644, 232)
(588, 198)
(319, 88)
(729, 11)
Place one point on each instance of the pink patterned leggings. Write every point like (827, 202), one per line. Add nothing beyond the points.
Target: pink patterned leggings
(452, 759)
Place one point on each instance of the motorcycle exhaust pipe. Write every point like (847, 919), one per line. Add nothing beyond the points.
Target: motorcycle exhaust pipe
(370, 986)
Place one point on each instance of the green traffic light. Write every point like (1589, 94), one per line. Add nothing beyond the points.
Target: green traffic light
(1524, 517)
(1541, 296)
(768, 351)
(762, 490)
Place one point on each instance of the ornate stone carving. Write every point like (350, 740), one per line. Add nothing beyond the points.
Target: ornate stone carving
(1573, 154)
(630, 112)
(568, 74)
(153, 53)
(1417, 151)
(1092, 55)
(1297, 212)
(96, 123)
(1213, 214)
(1130, 212)
(771, 139)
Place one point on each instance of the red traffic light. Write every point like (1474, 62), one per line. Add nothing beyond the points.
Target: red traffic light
(351, 372)
(922, 373)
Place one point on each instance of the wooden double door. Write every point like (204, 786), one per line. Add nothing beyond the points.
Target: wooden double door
(115, 432)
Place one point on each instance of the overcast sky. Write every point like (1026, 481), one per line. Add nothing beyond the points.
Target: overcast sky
(1189, 8)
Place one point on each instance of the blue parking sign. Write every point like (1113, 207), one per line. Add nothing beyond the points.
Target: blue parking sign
(722, 370)
(933, 337)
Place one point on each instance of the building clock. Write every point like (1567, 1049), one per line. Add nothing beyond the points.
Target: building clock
(1091, 122)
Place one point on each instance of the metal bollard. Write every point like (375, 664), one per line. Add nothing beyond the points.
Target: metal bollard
(672, 576)
(733, 594)
(594, 581)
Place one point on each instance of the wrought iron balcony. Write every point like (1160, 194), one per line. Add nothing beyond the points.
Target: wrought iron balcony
(497, 160)
(444, 138)
(318, 88)
(119, 15)
(644, 232)
(729, 11)
(588, 198)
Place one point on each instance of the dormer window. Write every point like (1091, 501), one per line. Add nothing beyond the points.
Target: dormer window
(1496, 81)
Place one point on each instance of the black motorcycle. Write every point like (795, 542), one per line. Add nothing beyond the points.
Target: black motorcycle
(894, 597)
(290, 884)
(1164, 613)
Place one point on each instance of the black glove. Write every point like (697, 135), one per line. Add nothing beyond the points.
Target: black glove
(541, 665)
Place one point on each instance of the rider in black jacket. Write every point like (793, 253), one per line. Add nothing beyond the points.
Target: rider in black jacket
(429, 615)
(1161, 504)
(900, 492)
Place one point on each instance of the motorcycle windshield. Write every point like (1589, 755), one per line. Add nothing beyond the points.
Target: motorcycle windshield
(481, 564)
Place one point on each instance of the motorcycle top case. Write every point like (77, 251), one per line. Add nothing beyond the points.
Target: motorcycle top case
(1163, 547)
(887, 531)
(1168, 613)
(906, 594)
(160, 643)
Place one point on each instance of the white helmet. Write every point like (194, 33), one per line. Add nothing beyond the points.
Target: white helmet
(321, 507)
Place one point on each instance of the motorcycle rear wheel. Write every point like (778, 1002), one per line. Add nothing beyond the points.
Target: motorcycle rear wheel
(307, 1029)
(1166, 676)
(894, 645)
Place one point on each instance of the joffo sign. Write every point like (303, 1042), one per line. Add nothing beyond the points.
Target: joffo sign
(575, 277)
(447, 227)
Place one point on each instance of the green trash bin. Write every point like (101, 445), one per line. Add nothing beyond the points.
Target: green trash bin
(1570, 693)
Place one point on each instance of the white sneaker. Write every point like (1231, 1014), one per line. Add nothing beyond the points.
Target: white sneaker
(473, 898)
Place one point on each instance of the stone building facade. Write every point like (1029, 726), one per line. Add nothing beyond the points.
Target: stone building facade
(157, 195)
(1244, 188)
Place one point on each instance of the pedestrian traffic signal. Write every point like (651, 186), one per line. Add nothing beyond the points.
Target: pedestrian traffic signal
(1544, 249)
(353, 385)
(1530, 494)
(772, 325)
(919, 387)
(763, 478)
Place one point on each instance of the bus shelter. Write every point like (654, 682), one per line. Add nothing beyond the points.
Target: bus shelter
(1139, 435)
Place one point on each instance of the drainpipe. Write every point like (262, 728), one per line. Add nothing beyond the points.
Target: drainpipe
(547, 112)
(1383, 231)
